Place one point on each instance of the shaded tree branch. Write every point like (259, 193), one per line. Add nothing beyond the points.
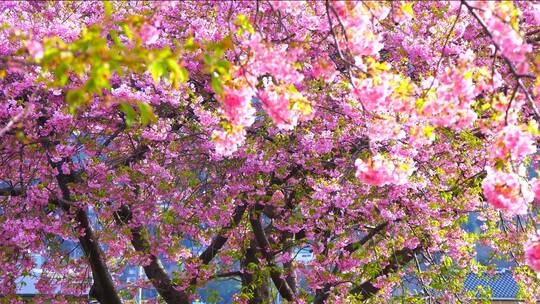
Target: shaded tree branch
(402, 257)
(262, 241)
(153, 270)
(219, 241)
(506, 60)
(103, 289)
(11, 191)
(322, 294)
(355, 245)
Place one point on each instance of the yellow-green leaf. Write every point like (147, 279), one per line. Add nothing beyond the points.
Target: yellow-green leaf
(147, 113)
(177, 73)
(244, 25)
(190, 44)
(75, 98)
(216, 85)
(157, 69)
(407, 7)
(130, 114)
(107, 6)
(127, 31)
(184, 75)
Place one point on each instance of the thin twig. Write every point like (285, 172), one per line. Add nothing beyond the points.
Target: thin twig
(506, 60)
(442, 52)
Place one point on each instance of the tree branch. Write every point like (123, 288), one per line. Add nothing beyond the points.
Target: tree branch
(323, 293)
(263, 244)
(156, 273)
(11, 191)
(259, 288)
(355, 245)
(506, 60)
(153, 270)
(402, 257)
(103, 289)
(219, 241)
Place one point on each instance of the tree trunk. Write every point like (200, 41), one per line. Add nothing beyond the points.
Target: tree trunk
(257, 285)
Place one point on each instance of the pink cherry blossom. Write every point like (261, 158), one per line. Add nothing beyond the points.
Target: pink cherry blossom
(380, 171)
(532, 254)
(35, 49)
(507, 191)
(513, 142)
(227, 142)
(509, 41)
(279, 103)
(237, 106)
(149, 34)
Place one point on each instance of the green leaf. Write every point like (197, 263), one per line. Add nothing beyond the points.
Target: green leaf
(225, 44)
(127, 31)
(168, 217)
(129, 112)
(49, 54)
(147, 113)
(222, 66)
(163, 53)
(115, 38)
(428, 131)
(408, 8)
(100, 78)
(61, 75)
(183, 75)
(107, 6)
(157, 69)
(75, 98)
(191, 45)
(420, 103)
(177, 73)
(216, 85)
(244, 25)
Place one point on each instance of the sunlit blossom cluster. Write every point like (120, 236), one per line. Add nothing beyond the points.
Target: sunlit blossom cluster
(507, 191)
(380, 170)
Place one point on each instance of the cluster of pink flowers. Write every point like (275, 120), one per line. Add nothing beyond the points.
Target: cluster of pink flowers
(509, 41)
(375, 92)
(276, 60)
(536, 13)
(362, 39)
(383, 128)
(421, 135)
(236, 105)
(513, 142)
(325, 70)
(227, 142)
(535, 184)
(149, 34)
(240, 114)
(280, 105)
(380, 171)
(532, 254)
(35, 49)
(537, 91)
(451, 105)
(507, 191)
(283, 103)
(288, 6)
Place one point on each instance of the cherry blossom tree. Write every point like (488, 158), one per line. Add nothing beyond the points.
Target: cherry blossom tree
(369, 133)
